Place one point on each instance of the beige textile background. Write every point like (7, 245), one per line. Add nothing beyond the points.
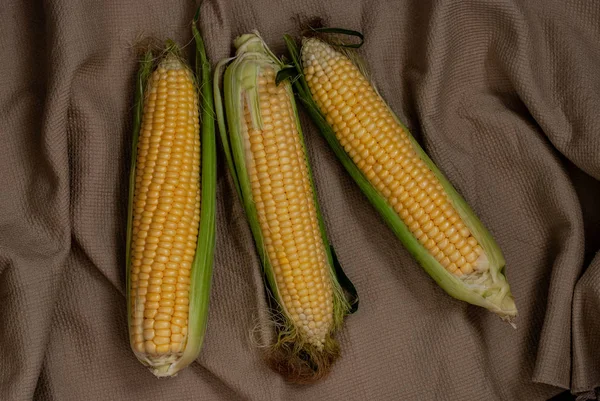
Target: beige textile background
(503, 94)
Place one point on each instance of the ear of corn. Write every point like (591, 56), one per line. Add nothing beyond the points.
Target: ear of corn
(267, 158)
(420, 205)
(170, 237)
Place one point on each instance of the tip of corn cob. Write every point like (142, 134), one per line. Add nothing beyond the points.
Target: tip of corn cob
(171, 62)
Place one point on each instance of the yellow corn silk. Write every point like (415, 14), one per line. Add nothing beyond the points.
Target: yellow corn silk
(417, 201)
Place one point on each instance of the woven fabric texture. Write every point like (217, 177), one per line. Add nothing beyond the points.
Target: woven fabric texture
(503, 94)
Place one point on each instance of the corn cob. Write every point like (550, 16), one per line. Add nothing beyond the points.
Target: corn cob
(169, 243)
(270, 168)
(418, 202)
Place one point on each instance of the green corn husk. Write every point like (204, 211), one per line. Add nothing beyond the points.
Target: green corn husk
(291, 355)
(489, 290)
(202, 265)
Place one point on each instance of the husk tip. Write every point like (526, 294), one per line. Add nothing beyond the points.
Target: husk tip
(508, 310)
(510, 319)
(162, 371)
(508, 315)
